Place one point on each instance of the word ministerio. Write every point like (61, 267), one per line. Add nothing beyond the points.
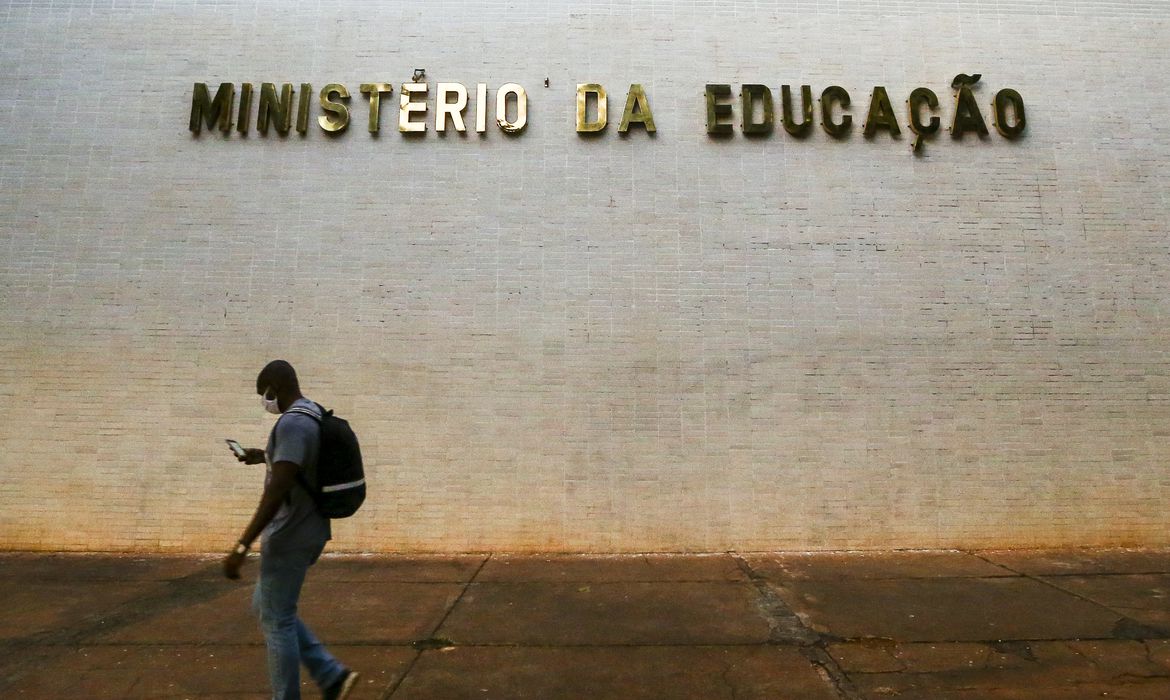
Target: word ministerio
(510, 113)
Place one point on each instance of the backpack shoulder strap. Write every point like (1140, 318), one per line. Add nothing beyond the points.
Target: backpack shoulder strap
(300, 477)
(304, 411)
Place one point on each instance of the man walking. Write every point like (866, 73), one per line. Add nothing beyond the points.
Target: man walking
(294, 535)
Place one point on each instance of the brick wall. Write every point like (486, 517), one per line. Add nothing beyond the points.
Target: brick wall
(555, 342)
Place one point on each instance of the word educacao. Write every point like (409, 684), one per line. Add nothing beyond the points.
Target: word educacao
(758, 117)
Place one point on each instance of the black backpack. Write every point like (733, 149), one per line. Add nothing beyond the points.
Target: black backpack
(341, 481)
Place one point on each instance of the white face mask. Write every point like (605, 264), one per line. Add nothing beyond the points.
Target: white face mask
(271, 405)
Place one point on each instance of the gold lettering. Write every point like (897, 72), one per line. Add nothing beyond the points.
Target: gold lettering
(443, 108)
(806, 108)
(750, 95)
(881, 114)
(835, 93)
(375, 91)
(303, 108)
(967, 114)
(717, 110)
(408, 106)
(217, 110)
(1004, 99)
(340, 121)
(919, 97)
(244, 120)
(481, 108)
(279, 110)
(637, 110)
(517, 125)
(584, 90)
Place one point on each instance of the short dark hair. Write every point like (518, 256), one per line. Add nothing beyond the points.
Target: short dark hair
(277, 374)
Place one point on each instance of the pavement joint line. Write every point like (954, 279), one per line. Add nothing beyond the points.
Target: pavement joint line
(1126, 627)
(419, 650)
(825, 664)
(978, 555)
(500, 645)
(588, 582)
(1020, 640)
(782, 620)
(1106, 575)
(783, 623)
(828, 640)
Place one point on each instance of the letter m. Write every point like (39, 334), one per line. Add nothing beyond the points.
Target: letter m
(203, 108)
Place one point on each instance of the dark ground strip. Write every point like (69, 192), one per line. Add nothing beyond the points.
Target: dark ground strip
(855, 667)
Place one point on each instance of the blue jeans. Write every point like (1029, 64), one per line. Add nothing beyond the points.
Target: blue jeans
(289, 641)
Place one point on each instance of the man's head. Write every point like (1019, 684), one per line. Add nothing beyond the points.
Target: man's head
(278, 381)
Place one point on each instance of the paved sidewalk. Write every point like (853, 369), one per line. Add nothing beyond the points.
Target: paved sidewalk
(936, 625)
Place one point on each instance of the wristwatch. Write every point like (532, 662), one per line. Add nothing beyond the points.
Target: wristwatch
(241, 548)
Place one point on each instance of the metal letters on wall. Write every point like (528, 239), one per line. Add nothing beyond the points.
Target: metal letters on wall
(447, 109)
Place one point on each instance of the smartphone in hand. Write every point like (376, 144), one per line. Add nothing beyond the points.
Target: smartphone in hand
(236, 448)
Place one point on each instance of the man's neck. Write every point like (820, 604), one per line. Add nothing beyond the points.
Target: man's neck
(292, 400)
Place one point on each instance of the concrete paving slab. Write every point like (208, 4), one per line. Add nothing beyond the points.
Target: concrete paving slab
(223, 618)
(1045, 670)
(59, 568)
(1078, 562)
(1159, 651)
(611, 569)
(1144, 598)
(384, 613)
(36, 609)
(118, 672)
(1121, 657)
(396, 568)
(376, 613)
(948, 609)
(887, 656)
(607, 613)
(629, 673)
(650, 626)
(872, 565)
(17, 660)
(1011, 687)
(381, 668)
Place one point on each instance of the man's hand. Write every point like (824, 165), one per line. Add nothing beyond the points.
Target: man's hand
(232, 563)
(252, 455)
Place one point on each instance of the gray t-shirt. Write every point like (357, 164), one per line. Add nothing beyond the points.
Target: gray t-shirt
(295, 438)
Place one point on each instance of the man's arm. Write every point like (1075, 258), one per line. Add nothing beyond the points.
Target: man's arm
(284, 475)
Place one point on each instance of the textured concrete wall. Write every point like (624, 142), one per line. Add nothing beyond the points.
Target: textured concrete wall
(563, 343)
